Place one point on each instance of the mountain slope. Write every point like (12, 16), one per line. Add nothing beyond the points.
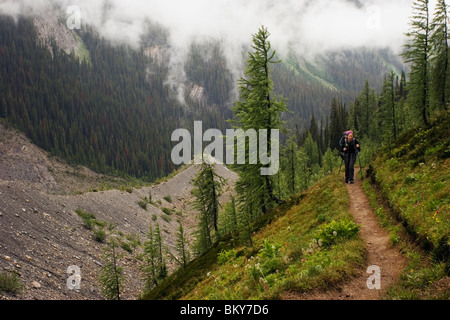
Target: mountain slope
(286, 255)
(113, 108)
(412, 178)
(404, 231)
(42, 234)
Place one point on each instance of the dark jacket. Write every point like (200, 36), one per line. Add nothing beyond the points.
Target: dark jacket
(351, 146)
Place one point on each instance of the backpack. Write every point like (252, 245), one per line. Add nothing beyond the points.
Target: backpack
(343, 142)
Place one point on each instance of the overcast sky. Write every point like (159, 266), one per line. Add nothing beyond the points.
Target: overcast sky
(305, 25)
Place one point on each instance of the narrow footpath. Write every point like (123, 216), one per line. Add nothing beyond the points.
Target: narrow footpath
(380, 253)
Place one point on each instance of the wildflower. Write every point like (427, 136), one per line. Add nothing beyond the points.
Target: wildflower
(335, 233)
(208, 274)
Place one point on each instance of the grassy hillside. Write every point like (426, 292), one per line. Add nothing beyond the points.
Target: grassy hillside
(411, 178)
(287, 254)
(297, 249)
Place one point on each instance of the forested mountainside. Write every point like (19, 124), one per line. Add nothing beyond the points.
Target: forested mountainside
(112, 108)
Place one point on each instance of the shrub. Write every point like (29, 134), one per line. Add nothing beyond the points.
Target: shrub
(87, 217)
(330, 233)
(10, 283)
(99, 234)
(143, 204)
(268, 261)
(225, 256)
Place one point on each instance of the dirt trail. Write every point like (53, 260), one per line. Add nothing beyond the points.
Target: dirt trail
(379, 253)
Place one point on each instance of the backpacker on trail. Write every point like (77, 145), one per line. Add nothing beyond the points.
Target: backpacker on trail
(349, 150)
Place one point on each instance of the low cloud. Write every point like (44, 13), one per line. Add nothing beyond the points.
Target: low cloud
(304, 27)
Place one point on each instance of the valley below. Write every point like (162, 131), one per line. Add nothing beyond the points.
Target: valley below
(41, 235)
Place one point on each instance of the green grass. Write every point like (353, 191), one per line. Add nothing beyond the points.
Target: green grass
(82, 52)
(410, 195)
(287, 254)
(414, 180)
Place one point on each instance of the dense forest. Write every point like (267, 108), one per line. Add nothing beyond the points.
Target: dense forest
(115, 111)
(379, 115)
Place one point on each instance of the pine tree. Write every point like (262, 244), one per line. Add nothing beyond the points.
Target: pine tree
(153, 267)
(208, 187)
(181, 246)
(290, 166)
(417, 53)
(388, 113)
(258, 108)
(365, 109)
(111, 274)
(161, 262)
(440, 77)
(230, 217)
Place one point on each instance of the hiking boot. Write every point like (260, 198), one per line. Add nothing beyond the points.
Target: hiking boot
(352, 182)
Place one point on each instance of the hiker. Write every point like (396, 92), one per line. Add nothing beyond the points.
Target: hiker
(350, 148)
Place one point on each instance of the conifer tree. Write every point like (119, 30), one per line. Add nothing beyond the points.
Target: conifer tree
(418, 55)
(258, 108)
(291, 166)
(154, 266)
(388, 111)
(208, 187)
(440, 77)
(161, 262)
(111, 274)
(365, 109)
(230, 217)
(182, 246)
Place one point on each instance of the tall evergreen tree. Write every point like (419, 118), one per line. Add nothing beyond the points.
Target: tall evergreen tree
(182, 246)
(440, 77)
(388, 113)
(338, 122)
(229, 218)
(365, 109)
(154, 266)
(290, 166)
(208, 187)
(417, 53)
(258, 108)
(111, 274)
